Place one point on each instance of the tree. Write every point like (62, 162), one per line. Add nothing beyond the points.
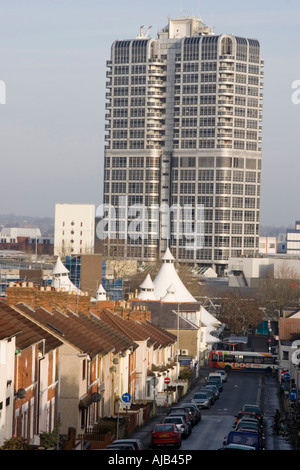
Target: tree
(281, 292)
(15, 443)
(239, 311)
(50, 439)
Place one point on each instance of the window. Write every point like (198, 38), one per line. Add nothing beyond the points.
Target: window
(285, 355)
(84, 369)
(226, 46)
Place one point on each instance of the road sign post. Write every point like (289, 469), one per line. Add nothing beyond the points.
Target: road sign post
(126, 397)
(286, 376)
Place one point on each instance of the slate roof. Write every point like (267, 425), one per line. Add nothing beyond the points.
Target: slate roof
(27, 332)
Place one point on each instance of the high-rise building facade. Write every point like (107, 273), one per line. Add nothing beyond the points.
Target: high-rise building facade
(184, 121)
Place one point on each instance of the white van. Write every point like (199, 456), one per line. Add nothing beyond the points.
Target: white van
(220, 373)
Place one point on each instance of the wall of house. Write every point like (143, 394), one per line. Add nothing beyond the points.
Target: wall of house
(25, 410)
(7, 368)
(70, 376)
(188, 340)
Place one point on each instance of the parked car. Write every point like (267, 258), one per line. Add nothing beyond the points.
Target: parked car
(202, 400)
(215, 390)
(137, 443)
(195, 410)
(180, 423)
(222, 374)
(185, 417)
(181, 410)
(255, 409)
(210, 392)
(249, 424)
(217, 382)
(120, 447)
(166, 434)
(243, 414)
(251, 439)
(237, 447)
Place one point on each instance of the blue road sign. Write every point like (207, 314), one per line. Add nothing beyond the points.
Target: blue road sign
(286, 376)
(126, 397)
(293, 394)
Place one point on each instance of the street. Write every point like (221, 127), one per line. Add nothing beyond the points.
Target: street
(240, 388)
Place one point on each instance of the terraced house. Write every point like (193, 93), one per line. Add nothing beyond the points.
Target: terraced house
(66, 359)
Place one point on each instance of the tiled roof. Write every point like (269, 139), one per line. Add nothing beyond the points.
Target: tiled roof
(139, 331)
(88, 334)
(27, 332)
(161, 336)
(127, 327)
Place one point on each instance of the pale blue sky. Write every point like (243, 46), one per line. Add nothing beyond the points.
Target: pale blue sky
(52, 59)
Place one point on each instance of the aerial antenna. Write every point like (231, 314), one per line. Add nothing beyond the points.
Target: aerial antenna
(142, 34)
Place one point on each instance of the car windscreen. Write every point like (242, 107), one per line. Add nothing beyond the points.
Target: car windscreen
(200, 395)
(173, 420)
(244, 438)
(164, 427)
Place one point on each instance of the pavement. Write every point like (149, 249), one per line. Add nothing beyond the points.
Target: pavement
(270, 401)
(268, 398)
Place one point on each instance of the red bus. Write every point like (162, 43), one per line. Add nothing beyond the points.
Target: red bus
(242, 360)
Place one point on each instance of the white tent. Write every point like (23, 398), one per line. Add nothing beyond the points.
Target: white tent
(168, 276)
(170, 295)
(101, 293)
(61, 280)
(147, 289)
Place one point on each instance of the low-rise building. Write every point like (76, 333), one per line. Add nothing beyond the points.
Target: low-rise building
(29, 377)
(249, 272)
(288, 346)
(293, 240)
(91, 382)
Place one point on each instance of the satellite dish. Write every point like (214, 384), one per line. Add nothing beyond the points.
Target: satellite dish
(96, 397)
(115, 361)
(21, 393)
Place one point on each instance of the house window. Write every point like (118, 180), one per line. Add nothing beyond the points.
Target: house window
(84, 369)
(285, 355)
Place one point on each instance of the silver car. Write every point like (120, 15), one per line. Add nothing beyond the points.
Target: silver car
(180, 423)
(202, 400)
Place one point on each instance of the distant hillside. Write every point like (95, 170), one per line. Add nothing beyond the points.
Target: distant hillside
(271, 231)
(45, 224)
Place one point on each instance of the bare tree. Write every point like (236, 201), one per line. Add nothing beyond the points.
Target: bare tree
(239, 311)
(281, 292)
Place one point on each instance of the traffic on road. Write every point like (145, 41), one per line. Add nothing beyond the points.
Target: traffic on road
(231, 416)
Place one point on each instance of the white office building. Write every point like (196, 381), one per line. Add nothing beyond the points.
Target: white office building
(183, 145)
(74, 229)
(293, 240)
